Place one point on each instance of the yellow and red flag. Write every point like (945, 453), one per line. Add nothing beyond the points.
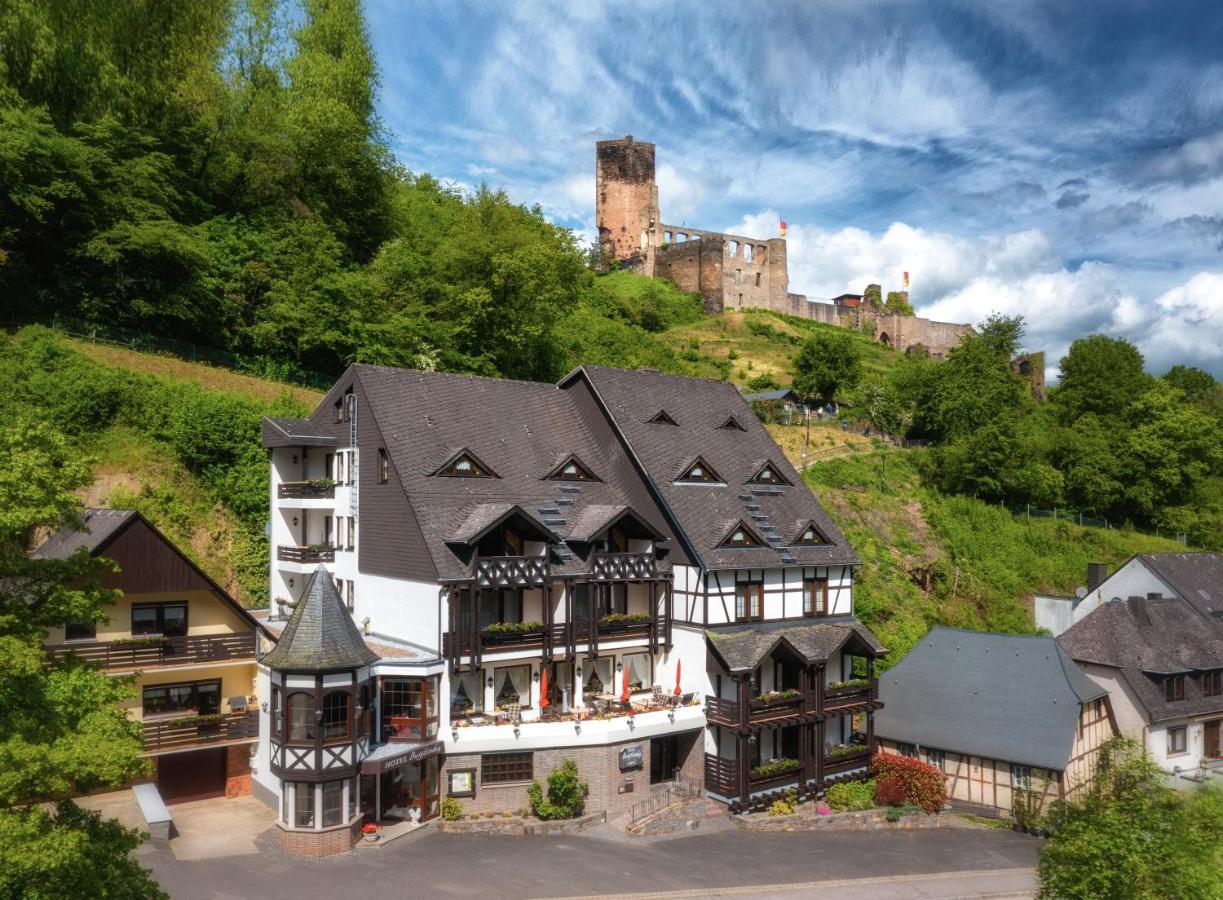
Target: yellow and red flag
(783, 227)
(906, 281)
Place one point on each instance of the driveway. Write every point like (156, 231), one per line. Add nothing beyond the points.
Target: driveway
(730, 862)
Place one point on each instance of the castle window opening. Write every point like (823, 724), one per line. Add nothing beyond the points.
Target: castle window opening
(667, 236)
(680, 237)
(747, 252)
(760, 253)
(738, 276)
(732, 248)
(757, 279)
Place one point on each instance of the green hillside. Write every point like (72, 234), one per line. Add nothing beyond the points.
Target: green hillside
(179, 441)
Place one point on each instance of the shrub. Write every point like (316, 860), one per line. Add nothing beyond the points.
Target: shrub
(452, 810)
(889, 792)
(922, 783)
(566, 793)
(852, 796)
(896, 813)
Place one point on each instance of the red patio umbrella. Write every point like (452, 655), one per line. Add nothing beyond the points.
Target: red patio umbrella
(679, 665)
(543, 688)
(624, 694)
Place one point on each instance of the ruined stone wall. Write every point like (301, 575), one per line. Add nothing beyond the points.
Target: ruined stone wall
(626, 200)
(907, 332)
(695, 265)
(799, 305)
(1032, 367)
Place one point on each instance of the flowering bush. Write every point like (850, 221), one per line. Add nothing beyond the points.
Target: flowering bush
(889, 792)
(852, 796)
(823, 810)
(922, 783)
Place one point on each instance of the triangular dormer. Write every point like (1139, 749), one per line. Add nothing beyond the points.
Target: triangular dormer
(465, 464)
(700, 472)
(768, 474)
(741, 536)
(662, 417)
(732, 424)
(571, 469)
(811, 534)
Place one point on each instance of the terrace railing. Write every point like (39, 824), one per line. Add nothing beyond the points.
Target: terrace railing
(305, 554)
(140, 653)
(853, 695)
(511, 571)
(623, 566)
(191, 731)
(306, 490)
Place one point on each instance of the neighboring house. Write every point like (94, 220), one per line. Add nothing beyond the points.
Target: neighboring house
(1195, 577)
(995, 712)
(1161, 660)
(784, 404)
(527, 556)
(191, 646)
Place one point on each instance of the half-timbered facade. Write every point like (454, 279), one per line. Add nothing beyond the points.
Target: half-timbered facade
(190, 646)
(561, 559)
(998, 714)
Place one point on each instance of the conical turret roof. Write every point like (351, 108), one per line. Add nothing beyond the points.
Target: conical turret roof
(320, 636)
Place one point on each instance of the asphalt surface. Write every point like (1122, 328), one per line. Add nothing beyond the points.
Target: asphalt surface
(741, 863)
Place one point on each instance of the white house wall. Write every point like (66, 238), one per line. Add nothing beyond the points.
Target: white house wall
(783, 591)
(1133, 579)
(399, 608)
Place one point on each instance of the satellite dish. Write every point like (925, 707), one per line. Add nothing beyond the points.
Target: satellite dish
(1080, 592)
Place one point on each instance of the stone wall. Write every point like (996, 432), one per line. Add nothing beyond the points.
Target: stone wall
(320, 843)
(1032, 367)
(626, 200)
(870, 820)
(522, 825)
(611, 790)
(907, 332)
(695, 266)
(682, 815)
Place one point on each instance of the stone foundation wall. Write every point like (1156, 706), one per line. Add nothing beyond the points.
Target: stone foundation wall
(522, 825)
(611, 790)
(680, 816)
(320, 843)
(237, 771)
(870, 820)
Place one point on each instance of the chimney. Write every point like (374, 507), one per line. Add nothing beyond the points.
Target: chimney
(1096, 574)
(1138, 609)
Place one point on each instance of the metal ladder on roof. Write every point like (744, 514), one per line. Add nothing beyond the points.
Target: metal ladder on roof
(353, 457)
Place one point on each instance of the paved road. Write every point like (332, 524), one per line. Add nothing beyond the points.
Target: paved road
(737, 863)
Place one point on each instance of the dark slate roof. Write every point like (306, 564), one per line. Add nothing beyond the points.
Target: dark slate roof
(99, 525)
(705, 513)
(1013, 698)
(280, 432)
(779, 394)
(1146, 639)
(741, 647)
(320, 635)
(520, 430)
(1198, 577)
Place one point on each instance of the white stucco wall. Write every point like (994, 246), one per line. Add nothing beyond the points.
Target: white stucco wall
(1133, 579)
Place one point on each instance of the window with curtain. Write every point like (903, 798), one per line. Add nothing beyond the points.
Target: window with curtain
(500, 605)
(303, 805)
(640, 676)
(512, 685)
(301, 718)
(336, 716)
(749, 600)
(613, 599)
(466, 693)
(581, 603)
(597, 676)
(409, 706)
(815, 597)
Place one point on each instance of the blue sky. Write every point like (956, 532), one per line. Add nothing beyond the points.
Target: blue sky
(1059, 160)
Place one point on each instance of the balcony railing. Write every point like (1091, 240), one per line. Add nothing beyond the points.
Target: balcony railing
(721, 776)
(191, 731)
(142, 653)
(511, 571)
(846, 762)
(623, 567)
(534, 638)
(726, 712)
(850, 696)
(305, 554)
(323, 489)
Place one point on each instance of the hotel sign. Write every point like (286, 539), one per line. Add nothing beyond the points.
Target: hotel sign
(407, 757)
(631, 758)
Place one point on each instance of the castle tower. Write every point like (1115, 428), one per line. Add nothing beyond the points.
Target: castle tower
(626, 202)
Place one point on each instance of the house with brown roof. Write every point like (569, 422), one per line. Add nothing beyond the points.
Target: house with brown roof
(189, 645)
(1161, 660)
(621, 568)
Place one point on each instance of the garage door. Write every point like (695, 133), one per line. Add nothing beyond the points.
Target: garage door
(191, 776)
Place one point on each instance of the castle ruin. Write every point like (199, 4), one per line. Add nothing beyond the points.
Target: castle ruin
(729, 271)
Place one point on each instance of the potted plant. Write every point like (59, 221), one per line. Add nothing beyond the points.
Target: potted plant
(776, 697)
(369, 832)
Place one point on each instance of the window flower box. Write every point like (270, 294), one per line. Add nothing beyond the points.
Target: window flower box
(622, 621)
(774, 697)
(775, 767)
(508, 632)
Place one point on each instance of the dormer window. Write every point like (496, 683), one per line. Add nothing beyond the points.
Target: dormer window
(741, 536)
(811, 535)
(662, 418)
(768, 474)
(700, 472)
(1174, 688)
(571, 470)
(465, 465)
(732, 424)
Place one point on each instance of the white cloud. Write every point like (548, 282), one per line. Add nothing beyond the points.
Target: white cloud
(1187, 325)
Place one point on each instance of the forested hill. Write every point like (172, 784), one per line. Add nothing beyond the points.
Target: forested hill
(215, 172)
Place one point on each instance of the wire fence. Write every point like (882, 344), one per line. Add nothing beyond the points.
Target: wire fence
(145, 342)
(1067, 515)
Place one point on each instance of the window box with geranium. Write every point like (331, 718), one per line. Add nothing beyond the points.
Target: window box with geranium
(775, 767)
(849, 685)
(508, 632)
(622, 621)
(774, 697)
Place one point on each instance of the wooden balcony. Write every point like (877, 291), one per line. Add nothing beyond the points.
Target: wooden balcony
(721, 776)
(511, 571)
(534, 639)
(846, 698)
(760, 712)
(323, 489)
(623, 567)
(199, 731)
(847, 762)
(316, 554)
(144, 653)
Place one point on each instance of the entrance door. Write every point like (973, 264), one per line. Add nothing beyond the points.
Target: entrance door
(412, 786)
(1213, 747)
(663, 754)
(192, 776)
